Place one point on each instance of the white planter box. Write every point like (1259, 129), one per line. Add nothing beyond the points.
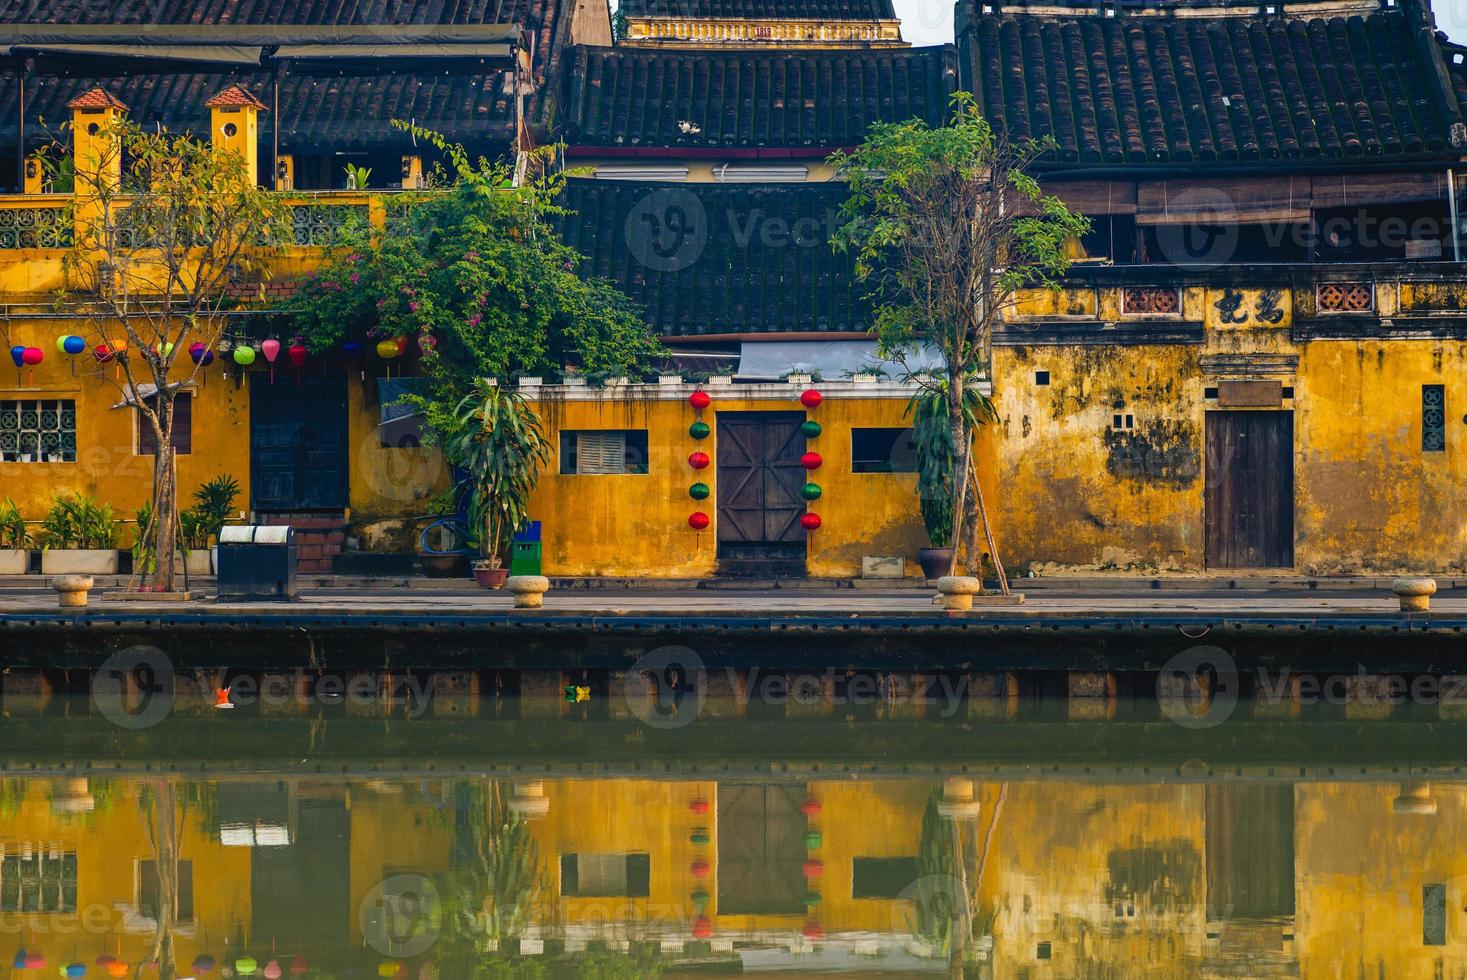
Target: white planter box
(530, 382)
(574, 382)
(196, 562)
(616, 382)
(14, 561)
(78, 561)
(801, 379)
(670, 379)
(721, 380)
(864, 379)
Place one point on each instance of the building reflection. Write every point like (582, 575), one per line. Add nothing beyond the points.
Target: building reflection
(426, 877)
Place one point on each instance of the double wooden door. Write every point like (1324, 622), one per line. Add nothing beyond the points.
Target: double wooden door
(760, 478)
(298, 442)
(1249, 495)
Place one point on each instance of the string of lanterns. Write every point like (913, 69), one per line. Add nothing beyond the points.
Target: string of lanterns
(811, 461)
(813, 869)
(699, 520)
(702, 925)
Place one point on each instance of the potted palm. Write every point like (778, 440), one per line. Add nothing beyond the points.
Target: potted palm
(80, 537)
(498, 443)
(15, 540)
(214, 503)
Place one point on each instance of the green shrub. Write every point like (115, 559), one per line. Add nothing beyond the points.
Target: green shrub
(77, 521)
(13, 532)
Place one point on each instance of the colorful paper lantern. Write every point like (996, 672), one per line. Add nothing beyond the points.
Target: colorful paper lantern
(75, 970)
(699, 837)
(19, 962)
(271, 349)
(351, 346)
(699, 430)
(699, 460)
(272, 971)
(810, 428)
(700, 898)
(699, 806)
(702, 927)
(700, 400)
(812, 839)
(811, 807)
(297, 354)
(103, 353)
(71, 344)
(200, 353)
(811, 491)
(388, 968)
(809, 521)
(17, 354)
(244, 355)
(810, 398)
(698, 520)
(203, 963)
(246, 966)
(117, 968)
(298, 965)
(812, 930)
(700, 869)
(32, 356)
(813, 868)
(388, 349)
(812, 899)
(699, 491)
(811, 461)
(164, 350)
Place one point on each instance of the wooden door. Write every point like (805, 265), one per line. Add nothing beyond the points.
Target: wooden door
(1249, 495)
(1250, 850)
(761, 849)
(759, 484)
(298, 442)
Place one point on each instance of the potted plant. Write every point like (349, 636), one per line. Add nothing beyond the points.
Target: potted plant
(933, 441)
(214, 503)
(193, 540)
(80, 537)
(15, 540)
(498, 443)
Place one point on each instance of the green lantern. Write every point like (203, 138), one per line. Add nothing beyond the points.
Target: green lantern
(699, 491)
(812, 839)
(699, 430)
(811, 491)
(699, 837)
(812, 899)
(810, 428)
(700, 899)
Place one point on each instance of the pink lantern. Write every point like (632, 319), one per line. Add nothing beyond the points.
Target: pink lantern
(271, 349)
(33, 356)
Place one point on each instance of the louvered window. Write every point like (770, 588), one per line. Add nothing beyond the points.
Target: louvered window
(603, 452)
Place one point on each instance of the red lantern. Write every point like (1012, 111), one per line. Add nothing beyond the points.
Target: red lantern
(811, 461)
(812, 930)
(699, 460)
(810, 808)
(33, 356)
(809, 521)
(702, 927)
(810, 398)
(698, 520)
(103, 353)
(700, 869)
(699, 806)
(297, 354)
(700, 400)
(813, 868)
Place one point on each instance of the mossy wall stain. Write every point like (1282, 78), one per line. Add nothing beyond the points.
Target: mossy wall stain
(1163, 450)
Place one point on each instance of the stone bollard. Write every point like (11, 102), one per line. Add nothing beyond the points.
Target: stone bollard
(956, 592)
(1414, 801)
(1415, 593)
(529, 590)
(72, 590)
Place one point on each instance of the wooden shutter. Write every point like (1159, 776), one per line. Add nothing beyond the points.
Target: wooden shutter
(183, 428)
(601, 452)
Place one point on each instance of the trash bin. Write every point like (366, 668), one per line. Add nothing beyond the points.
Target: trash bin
(524, 550)
(257, 562)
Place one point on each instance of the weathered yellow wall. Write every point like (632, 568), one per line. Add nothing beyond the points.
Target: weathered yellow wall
(107, 467)
(637, 525)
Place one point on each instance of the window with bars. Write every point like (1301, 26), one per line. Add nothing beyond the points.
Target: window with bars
(36, 879)
(1433, 418)
(603, 452)
(40, 430)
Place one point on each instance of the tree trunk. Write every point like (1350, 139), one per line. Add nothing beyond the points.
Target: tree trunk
(961, 443)
(165, 496)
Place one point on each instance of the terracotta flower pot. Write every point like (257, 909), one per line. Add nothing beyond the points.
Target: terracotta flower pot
(491, 578)
(935, 562)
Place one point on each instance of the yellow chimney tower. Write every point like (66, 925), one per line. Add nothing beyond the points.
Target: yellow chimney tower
(234, 126)
(98, 155)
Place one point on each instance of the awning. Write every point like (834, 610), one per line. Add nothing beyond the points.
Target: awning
(399, 52)
(833, 359)
(145, 391)
(1224, 201)
(1355, 190)
(198, 54)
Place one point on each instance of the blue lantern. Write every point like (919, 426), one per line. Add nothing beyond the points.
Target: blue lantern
(17, 354)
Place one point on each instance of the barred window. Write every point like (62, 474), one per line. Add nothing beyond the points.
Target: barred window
(35, 878)
(1433, 418)
(38, 431)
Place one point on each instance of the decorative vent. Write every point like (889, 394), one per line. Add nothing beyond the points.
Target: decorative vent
(1433, 418)
(44, 227)
(1151, 301)
(1344, 297)
(42, 431)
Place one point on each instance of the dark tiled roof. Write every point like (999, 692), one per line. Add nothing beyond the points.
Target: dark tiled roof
(349, 112)
(1163, 89)
(750, 259)
(762, 9)
(819, 99)
(315, 113)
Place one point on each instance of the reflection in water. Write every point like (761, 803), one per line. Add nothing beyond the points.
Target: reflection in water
(423, 871)
(624, 877)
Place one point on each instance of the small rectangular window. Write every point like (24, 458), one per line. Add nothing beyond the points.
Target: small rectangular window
(38, 879)
(883, 451)
(183, 428)
(148, 903)
(882, 877)
(603, 452)
(1433, 418)
(1433, 915)
(39, 431)
(606, 875)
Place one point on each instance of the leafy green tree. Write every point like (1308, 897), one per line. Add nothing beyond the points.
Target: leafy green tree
(474, 268)
(949, 227)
